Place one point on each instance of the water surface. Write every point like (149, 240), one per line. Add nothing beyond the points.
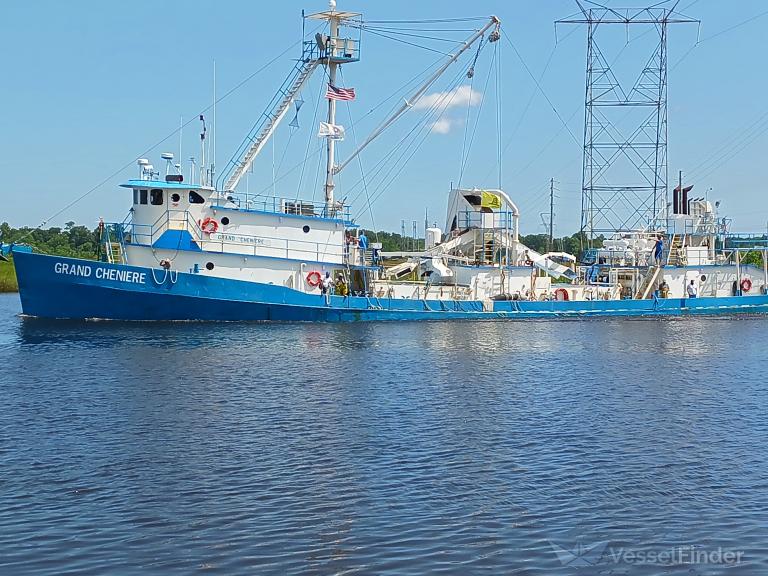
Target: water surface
(410, 448)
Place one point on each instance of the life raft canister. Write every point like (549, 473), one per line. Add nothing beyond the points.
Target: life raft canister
(314, 278)
(746, 285)
(209, 226)
(561, 294)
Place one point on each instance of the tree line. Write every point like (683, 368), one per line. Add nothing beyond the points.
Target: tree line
(72, 240)
(82, 242)
(393, 242)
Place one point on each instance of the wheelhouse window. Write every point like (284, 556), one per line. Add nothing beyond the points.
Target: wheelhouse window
(156, 197)
(195, 198)
(135, 195)
(143, 196)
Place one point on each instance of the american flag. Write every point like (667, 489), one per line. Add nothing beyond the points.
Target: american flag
(335, 93)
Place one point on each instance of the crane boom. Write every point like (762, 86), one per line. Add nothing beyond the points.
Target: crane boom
(255, 141)
(493, 22)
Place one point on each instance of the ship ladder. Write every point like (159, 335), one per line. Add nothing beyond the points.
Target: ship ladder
(648, 282)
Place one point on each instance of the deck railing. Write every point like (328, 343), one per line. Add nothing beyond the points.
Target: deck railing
(277, 205)
(242, 244)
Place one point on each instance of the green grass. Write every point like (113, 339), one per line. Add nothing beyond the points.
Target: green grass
(8, 277)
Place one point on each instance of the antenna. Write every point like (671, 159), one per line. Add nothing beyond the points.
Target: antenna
(202, 151)
(181, 139)
(550, 244)
(213, 127)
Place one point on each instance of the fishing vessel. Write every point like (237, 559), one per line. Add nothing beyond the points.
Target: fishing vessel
(211, 251)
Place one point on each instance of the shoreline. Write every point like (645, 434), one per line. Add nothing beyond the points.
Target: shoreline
(8, 283)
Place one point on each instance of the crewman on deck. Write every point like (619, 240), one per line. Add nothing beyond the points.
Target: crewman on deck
(664, 289)
(341, 286)
(326, 284)
(691, 289)
(362, 241)
(658, 249)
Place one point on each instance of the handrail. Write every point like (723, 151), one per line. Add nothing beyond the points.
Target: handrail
(259, 243)
(284, 205)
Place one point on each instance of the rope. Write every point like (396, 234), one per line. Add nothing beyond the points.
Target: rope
(307, 155)
(471, 75)
(422, 36)
(428, 21)
(155, 277)
(477, 117)
(362, 171)
(408, 43)
(439, 106)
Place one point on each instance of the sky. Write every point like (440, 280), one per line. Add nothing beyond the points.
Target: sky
(90, 86)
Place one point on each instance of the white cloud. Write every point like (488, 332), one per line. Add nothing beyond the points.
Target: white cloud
(460, 96)
(442, 126)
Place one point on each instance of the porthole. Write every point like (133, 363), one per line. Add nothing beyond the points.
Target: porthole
(306, 229)
(175, 197)
(703, 278)
(225, 220)
(209, 266)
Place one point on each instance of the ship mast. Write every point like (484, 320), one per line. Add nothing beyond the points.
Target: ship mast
(334, 20)
(335, 50)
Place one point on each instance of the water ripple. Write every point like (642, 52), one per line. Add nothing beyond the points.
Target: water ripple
(445, 448)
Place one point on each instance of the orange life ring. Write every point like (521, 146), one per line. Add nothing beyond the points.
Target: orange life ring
(746, 285)
(314, 278)
(209, 226)
(561, 294)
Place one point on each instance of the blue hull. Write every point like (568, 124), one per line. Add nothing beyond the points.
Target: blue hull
(57, 287)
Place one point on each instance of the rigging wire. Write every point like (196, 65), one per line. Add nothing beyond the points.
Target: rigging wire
(422, 36)
(477, 118)
(527, 107)
(499, 131)
(173, 133)
(364, 26)
(380, 165)
(403, 89)
(309, 141)
(291, 170)
(471, 75)
(360, 163)
(406, 143)
(538, 85)
(408, 43)
(428, 21)
(427, 120)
